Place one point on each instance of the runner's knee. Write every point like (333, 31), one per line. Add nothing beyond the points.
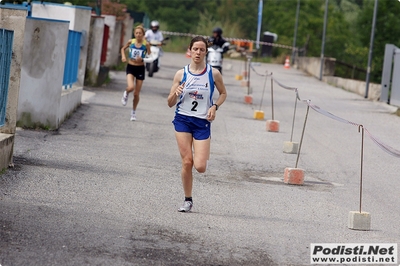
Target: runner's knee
(201, 167)
(187, 163)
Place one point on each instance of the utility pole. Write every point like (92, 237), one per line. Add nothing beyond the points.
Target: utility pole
(323, 40)
(98, 7)
(295, 31)
(260, 9)
(371, 46)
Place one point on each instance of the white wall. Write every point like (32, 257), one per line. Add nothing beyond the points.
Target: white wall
(45, 45)
(82, 23)
(94, 49)
(13, 19)
(128, 28)
(111, 22)
(116, 44)
(79, 18)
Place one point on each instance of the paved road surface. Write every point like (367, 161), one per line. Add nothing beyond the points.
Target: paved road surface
(105, 191)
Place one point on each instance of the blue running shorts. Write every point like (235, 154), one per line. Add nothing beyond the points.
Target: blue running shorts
(199, 128)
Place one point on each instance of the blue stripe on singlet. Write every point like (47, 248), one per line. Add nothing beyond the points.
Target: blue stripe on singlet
(210, 77)
(180, 97)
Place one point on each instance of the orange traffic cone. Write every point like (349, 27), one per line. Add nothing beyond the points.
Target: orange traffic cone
(188, 54)
(287, 63)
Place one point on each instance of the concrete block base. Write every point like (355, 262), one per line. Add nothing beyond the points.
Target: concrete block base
(294, 176)
(248, 99)
(238, 77)
(6, 150)
(290, 147)
(259, 115)
(273, 125)
(359, 221)
(245, 83)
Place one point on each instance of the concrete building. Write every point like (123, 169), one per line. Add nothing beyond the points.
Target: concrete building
(79, 20)
(41, 100)
(127, 29)
(96, 38)
(14, 20)
(114, 40)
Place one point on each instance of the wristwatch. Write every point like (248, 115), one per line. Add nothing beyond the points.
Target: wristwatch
(216, 106)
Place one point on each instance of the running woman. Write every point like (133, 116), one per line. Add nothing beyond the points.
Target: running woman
(138, 48)
(192, 93)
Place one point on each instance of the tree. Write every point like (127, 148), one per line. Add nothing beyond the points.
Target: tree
(387, 31)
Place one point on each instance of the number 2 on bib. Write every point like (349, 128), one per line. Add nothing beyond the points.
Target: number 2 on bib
(194, 103)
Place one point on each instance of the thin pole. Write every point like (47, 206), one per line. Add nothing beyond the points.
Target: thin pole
(260, 9)
(248, 75)
(245, 68)
(294, 116)
(371, 46)
(262, 96)
(323, 40)
(302, 135)
(98, 8)
(361, 128)
(295, 31)
(272, 97)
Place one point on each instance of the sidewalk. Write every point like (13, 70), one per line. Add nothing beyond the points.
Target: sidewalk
(105, 191)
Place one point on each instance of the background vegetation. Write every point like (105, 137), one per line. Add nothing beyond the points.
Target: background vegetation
(347, 36)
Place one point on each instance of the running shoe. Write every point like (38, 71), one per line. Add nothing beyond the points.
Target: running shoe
(133, 117)
(186, 207)
(124, 99)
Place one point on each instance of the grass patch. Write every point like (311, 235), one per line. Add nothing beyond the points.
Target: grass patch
(177, 44)
(3, 171)
(107, 80)
(121, 66)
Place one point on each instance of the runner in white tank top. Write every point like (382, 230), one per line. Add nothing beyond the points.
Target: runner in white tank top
(192, 91)
(197, 94)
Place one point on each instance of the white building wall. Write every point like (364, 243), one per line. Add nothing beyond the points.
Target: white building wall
(94, 49)
(116, 44)
(45, 45)
(15, 20)
(79, 20)
(111, 22)
(82, 23)
(128, 28)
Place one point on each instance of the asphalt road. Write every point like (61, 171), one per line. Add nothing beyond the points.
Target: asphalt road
(102, 190)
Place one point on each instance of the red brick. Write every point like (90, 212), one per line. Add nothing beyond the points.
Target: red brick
(273, 125)
(294, 176)
(248, 99)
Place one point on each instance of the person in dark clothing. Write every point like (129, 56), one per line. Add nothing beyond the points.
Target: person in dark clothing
(218, 40)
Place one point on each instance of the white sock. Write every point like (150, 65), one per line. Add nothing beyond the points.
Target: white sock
(133, 112)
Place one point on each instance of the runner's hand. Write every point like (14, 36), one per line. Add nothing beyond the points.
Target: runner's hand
(179, 89)
(211, 114)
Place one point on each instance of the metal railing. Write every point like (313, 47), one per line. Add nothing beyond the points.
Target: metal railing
(72, 59)
(6, 44)
(349, 71)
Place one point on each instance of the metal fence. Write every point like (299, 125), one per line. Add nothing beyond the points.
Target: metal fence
(390, 86)
(6, 43)
(72, 59)
(349, 71)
